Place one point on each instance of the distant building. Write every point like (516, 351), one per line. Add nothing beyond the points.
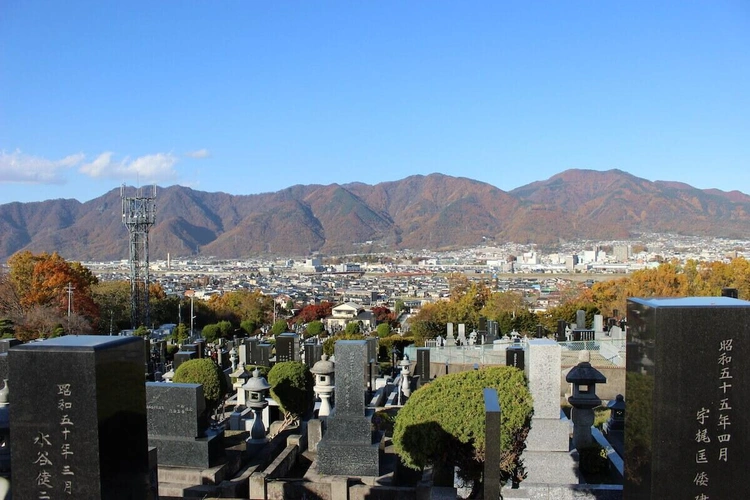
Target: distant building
(345, 313)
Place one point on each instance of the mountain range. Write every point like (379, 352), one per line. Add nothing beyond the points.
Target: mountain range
(419, 212)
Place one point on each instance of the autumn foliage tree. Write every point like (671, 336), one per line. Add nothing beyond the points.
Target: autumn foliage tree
(39, 283)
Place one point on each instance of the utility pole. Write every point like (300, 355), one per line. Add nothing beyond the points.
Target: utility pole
(70, 289)
(192, 317)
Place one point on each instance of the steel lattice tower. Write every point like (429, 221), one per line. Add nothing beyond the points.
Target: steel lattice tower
(139, 215)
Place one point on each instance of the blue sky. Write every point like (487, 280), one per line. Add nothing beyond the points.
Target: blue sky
(248, 96)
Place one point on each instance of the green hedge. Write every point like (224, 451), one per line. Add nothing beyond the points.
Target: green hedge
(442, 424)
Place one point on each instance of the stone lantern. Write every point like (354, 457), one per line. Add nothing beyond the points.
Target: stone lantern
(324, 383)
(616, 421)
(257, 389)
(240, 377)
(584, 378)
(405, 391)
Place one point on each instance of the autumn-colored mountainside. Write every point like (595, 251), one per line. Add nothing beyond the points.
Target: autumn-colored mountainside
(419, 212)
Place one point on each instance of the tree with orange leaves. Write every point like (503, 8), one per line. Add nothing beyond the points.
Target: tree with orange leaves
(49, 282)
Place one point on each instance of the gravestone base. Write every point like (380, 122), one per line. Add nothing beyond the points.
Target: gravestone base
(548, 434)
(550, 467)
(342, 458)
(199, 453)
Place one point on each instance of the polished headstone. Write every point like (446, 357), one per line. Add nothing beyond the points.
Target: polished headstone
(182, 356)
(287, 347)
(178, 426)
(176, 409)
(349, 447)
(423, 365)
(262, 354)
(81, 430)
(687, 425)
(313, 352)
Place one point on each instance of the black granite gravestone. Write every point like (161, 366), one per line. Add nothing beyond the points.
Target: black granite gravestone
(182, 356)
(262, 354)
(514, 356)
(687, 426)
(287, 347)
(492, 444)
(348, 447)
(178, 426)
(252, 347)
(80, 432)
(313, 352)
(561, 325)
(423, 365)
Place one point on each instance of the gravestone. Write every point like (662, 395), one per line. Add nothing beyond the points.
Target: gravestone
(546, 456)
(262, 355)
(349, 446)
(561, 325)
(687, 426)
(581, 319)
(450, 340)
(81, 430)
(243, 351)
(287, 347)
(492, 332)
(372, 368)
(492, 444)
(423, 365)
(200, 348)
(482, 328)
(182, 356)
(252, 347)
(178, 426)
(514, 356)
(313, 352)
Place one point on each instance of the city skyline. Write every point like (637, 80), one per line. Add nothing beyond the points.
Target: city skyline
(250, 98)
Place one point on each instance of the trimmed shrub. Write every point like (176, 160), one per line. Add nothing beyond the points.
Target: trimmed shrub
(384, 330)
(442, 424)
(279, 326)
(292, 387)
(314, 328)
(203, 371)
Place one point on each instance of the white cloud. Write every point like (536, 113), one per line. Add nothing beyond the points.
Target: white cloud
(157, 167)
(17, 167)
(201, 153)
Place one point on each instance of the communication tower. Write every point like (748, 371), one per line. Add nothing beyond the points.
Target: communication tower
(139, 215)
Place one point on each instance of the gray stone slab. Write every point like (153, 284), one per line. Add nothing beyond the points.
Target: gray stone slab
(80, 432)
(543, 373)
(177, 410)
(351, 358)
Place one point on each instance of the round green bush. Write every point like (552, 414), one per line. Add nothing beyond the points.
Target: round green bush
(292, 387)
(442, 424)
(203, 371)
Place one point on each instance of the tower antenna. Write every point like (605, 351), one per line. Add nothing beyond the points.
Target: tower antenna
(139, 216)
